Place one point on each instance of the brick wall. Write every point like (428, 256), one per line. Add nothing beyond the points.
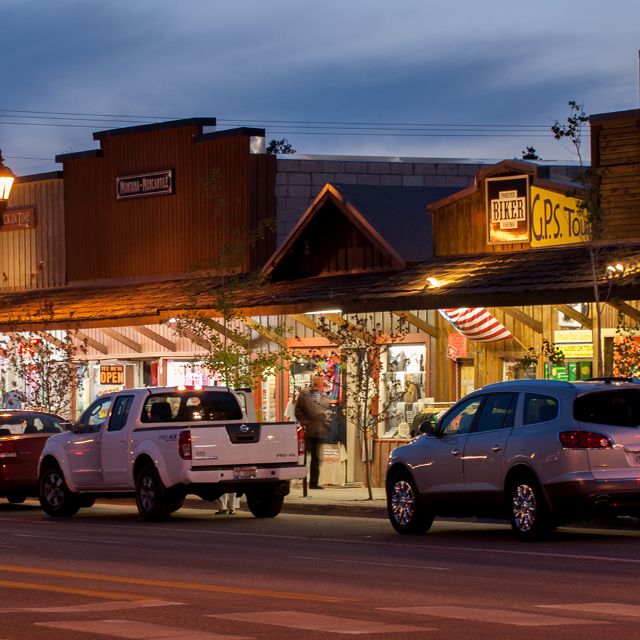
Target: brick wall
(299, 179)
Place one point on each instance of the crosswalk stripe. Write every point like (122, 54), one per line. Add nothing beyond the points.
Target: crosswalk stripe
(319, 622)
(96, 606)
(496, 616)
(138, 630)
(598, 608)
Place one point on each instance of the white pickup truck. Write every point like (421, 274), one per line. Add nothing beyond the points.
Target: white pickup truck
(161, 444)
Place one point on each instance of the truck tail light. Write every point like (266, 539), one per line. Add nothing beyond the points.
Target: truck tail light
(300, 434)
(584, 440)
(8, 449)
(184, 444)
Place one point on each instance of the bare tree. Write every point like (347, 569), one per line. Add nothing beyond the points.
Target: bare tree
(364, 342)
(43, 368)
(592, 213)
(232, 352)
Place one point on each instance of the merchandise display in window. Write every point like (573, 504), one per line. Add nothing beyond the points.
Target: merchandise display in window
(403, 389)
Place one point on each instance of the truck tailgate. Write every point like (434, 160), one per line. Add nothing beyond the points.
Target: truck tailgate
(244, 444)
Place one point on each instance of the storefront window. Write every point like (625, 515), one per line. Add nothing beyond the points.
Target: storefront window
(402, 390)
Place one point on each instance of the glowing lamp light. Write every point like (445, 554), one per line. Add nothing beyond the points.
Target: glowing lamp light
(6, 182)
(434, 283)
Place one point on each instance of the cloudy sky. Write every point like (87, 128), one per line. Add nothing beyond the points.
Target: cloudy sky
(409, 78)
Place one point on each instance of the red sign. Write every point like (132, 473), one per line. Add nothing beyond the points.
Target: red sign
(456, 346)
(15, 219)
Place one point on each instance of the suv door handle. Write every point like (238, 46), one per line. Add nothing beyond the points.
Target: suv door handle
(496, 448)
(456, 452)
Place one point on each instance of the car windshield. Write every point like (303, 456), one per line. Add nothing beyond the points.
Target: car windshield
(619, 407)
(191, 406)
(17, 424)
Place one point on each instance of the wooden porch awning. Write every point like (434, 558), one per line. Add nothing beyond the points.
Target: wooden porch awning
(545, 276)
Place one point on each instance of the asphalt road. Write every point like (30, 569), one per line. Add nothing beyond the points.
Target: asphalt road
(106, 574)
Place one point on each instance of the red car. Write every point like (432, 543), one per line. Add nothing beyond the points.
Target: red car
(22, 436)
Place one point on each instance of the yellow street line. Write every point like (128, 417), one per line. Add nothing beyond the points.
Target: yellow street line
(52, 588)
(191, 586)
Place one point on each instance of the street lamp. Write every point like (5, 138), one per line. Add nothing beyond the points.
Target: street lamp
(6, 182)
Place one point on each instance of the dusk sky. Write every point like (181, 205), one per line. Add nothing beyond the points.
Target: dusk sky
(409, 78)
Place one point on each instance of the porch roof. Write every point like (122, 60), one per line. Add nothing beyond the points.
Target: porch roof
(542, 276)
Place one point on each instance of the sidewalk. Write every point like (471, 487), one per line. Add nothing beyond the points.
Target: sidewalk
(350, 500)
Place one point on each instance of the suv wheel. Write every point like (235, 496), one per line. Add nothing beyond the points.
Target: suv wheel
(406, 513)
(56, 499)
(528, 510)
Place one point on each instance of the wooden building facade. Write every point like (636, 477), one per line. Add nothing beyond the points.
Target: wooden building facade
(32, 239)
(164, 200)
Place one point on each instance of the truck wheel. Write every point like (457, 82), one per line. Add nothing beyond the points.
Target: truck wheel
(151, 495)
(55, 497)
(264, 504)
(86, 501)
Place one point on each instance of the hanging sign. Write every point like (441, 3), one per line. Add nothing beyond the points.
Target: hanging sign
(145, 184)
(456, 346)
(112, 374)
(507, 209)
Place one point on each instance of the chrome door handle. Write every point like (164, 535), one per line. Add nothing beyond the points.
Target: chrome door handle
(455, 452)
(496, 448)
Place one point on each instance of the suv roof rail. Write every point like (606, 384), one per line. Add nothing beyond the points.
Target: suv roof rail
(611, 379)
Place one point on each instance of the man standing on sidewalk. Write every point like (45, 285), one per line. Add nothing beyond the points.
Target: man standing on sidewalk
(312, 411)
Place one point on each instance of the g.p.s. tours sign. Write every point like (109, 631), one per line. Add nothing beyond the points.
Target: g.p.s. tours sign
(145, 184)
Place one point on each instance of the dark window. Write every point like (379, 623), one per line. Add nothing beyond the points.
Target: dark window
(191, 406)
(497, 412)
(120, 412)
(96, 414)
(539, 408)
(620, 408)
(460, 418)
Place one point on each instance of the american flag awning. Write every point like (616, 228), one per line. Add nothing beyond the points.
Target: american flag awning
(476, 324)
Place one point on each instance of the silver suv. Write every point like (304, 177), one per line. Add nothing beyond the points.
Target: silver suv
(539, 452)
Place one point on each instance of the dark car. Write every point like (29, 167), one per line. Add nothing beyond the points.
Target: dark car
(22, 437)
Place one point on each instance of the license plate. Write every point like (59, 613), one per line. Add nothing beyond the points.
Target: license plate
(246, 473)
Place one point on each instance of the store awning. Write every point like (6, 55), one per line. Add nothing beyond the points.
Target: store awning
(545, 276)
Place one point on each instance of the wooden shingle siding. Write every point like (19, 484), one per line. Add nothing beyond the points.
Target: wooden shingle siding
(34, 258)
(615, 154)
(460, 228)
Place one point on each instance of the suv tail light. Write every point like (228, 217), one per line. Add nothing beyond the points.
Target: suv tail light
(300, 434)
(8, 449)
(184, 444)
(584, 440)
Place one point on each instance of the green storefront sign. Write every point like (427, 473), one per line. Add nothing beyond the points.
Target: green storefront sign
(570, 371)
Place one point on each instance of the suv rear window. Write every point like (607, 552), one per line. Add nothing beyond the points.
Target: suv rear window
(619, 407)
(191, 406)
(539, 408)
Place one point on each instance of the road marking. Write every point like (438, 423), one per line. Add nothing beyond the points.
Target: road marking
(97, 606)
(395, 565)
(494, 616)
(318, 622)
(138, 630)
(90, 593)
(598, 608)
(189, 586)
(68, 539)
